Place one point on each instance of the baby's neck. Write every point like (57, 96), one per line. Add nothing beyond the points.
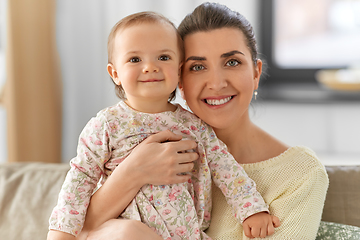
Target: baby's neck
(151, 107)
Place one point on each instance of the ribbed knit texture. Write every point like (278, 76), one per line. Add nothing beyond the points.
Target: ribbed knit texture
(294, 184)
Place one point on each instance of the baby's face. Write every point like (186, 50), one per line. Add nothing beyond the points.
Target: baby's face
(147, 61)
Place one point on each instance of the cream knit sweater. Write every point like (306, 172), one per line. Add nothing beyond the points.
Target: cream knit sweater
(294, 184)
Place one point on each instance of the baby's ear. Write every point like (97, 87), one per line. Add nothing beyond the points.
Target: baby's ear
(113, 74)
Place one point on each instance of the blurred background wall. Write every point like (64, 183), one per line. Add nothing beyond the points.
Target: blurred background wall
(331, 128)
(82, 27)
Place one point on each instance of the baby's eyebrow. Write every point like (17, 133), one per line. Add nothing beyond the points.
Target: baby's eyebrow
(228, 54)
(196, 58)
(167, 50)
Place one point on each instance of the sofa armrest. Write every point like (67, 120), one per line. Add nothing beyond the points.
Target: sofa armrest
(342, 199)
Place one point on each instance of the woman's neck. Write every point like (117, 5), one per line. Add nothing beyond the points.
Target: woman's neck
(248, 143)
(238, 138)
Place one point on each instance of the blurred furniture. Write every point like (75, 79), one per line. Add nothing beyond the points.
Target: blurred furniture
(29, 191)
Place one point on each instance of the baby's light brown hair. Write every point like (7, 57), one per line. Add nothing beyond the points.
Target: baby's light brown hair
(134, 19)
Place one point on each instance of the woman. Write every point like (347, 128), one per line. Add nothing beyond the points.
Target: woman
(221, 71)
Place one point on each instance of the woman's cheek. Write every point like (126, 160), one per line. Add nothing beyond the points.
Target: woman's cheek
(189, 86)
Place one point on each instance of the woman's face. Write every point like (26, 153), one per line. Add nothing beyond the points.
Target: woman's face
(219, 76)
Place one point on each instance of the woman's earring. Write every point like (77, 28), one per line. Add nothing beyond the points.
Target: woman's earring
(255, 94)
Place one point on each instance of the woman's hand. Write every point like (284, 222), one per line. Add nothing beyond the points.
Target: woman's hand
(158, 160)
(161, 158)
(57, 235)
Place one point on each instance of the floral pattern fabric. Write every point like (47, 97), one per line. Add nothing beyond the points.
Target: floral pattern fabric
(178, 211)
(337, 231)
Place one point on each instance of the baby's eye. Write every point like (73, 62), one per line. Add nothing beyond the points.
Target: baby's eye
(232, 63)
(164, 58)
(134, 60)
(197, 68)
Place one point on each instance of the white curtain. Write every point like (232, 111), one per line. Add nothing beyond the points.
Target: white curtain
(82, 30)
(32, 93)
(3, 144)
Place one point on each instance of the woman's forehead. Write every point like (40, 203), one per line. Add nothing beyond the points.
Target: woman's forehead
(215, 41)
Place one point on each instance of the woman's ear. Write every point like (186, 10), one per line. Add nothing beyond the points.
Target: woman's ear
(179, 70)
(181, 89)
(113, 74)
(257, 73)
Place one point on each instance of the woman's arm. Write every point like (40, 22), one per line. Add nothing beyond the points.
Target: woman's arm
(157, 160)
(57, 235)
(300, 211)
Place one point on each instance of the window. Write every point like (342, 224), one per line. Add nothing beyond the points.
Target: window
(300, 37)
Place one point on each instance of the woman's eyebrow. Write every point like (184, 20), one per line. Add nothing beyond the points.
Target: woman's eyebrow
(196, 58)
(228, 54)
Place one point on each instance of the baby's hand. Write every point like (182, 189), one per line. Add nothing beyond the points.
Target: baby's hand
(260, 225)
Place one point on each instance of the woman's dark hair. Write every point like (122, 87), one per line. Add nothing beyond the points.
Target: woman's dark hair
(212, 16)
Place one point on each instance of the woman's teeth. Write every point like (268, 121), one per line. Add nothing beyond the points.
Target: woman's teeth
(216, 102)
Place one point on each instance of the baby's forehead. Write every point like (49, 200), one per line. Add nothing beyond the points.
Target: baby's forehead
(148, 31)
(160, 28)
(160, 25)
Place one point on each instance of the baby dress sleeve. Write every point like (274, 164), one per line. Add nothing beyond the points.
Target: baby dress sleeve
(86, 170)
(227, 174)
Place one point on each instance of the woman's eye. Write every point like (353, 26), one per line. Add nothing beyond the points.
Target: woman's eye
(134, 60)
(164, 58)
(232, 63)
(197, 68)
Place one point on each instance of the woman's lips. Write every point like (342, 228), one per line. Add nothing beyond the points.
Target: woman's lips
(218, 101)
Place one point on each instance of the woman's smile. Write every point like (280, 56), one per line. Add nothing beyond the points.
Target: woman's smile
(218, 101)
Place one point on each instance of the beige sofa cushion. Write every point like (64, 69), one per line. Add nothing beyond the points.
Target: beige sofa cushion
(342, 204)
(28, 192)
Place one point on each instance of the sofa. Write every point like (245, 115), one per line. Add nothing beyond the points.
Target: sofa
(28, 192)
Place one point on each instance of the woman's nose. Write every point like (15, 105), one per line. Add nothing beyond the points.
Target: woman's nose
(216, 81)
(150, 67)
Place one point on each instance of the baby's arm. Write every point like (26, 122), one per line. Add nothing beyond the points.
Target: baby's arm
(86, 170)
(239, 190)
(228, 175)
(260, 225)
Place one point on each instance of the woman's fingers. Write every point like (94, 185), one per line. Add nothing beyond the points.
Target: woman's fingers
(185, 168)
(171, 140)
(183, 146)
(161, 159)
(164, 136)
(169, 137)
